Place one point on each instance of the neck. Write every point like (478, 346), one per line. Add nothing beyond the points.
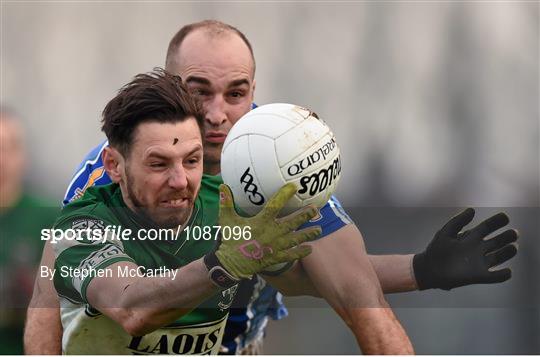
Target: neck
(126, 198)
(211, 168)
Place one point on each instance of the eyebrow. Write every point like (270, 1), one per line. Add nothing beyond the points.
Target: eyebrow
(195, 149)
(199, 80)
(206, 82)
(239, 82)
(156, 155)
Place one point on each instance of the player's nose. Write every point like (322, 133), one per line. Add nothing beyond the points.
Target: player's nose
(178, 178)
(216, 111)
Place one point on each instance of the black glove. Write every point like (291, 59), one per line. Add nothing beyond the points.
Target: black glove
(453, 258)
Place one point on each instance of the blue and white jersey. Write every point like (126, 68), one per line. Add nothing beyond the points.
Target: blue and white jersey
(255, 300)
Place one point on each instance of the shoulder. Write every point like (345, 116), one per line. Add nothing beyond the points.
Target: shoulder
(211, 182)
(87, 221)
(89, 172)
(84, 240)
(94, 205)
(209, 192)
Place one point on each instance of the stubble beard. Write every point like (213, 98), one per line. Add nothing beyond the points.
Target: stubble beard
(174, 221)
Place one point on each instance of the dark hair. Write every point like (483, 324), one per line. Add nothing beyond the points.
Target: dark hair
(213, 28)
(156, 96)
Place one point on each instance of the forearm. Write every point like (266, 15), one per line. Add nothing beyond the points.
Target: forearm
(395, 272)
(377, 330)
(345, 277)
(371, 320)
(144, 304)
(43, 329)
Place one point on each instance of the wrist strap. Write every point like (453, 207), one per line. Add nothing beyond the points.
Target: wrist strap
(217, 273)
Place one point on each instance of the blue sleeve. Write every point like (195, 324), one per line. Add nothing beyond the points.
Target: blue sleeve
(331, 218)
(90, 172)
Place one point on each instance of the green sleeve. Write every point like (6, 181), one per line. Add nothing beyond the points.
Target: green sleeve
(79, 261)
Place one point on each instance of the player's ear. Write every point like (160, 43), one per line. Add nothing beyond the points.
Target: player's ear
(253, 91)
(111, 161)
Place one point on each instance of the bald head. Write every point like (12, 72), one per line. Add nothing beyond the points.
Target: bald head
(207, 32)
(215, 60)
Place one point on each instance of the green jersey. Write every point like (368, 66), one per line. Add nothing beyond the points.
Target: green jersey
(86, 330)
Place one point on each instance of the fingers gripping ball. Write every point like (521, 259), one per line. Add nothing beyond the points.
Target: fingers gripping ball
(273, 240)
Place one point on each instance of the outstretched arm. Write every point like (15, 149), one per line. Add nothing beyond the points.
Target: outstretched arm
(455, 257)
(141, 305)
(452, 259)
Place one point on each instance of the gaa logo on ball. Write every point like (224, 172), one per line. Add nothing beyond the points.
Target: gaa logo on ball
(275, 144)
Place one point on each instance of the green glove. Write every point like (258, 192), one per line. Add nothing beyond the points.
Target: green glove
(273, 240)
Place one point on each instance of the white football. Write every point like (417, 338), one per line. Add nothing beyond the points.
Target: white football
(275, 144)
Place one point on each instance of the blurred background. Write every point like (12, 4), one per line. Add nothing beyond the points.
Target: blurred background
(435, 106)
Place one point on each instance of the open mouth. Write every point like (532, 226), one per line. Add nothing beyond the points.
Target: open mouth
(176, 203)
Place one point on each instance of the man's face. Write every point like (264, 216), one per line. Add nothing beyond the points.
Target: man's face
(219, 72)
(162, 175)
